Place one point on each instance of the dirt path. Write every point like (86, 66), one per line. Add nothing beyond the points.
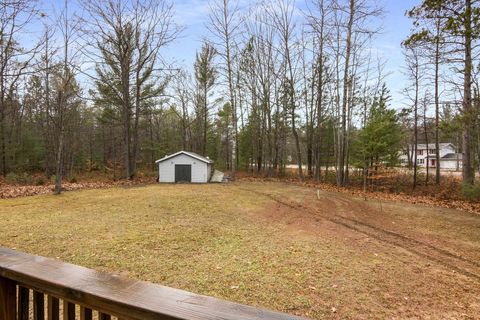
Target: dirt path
(362, 218)
(421, 248)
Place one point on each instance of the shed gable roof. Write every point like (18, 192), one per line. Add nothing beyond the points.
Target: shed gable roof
(188, 153)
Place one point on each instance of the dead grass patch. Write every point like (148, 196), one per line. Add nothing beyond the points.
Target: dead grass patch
(232, 242)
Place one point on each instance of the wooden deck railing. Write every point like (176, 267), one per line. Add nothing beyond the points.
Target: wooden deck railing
(33, 287)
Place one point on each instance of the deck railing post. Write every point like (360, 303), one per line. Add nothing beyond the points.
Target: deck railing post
(26, 280)
(23, 303)
(68, 310)
(8, 299)
(38, 306)
(85, 313)
(53, 308)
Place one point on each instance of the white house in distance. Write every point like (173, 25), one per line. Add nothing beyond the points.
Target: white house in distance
(184, 166)
(449, 158)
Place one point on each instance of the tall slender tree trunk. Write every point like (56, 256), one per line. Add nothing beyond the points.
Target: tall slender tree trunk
(2, 133)
(2, 119)
(468, 172)
(136, 120)
(437, 105)
(114, 150)
(320, 92)
(62, 107)
(126, 141)
(346, 81)
(415, 131)
(205, 120)
(59, 160)
(425, 132)
(125, 79)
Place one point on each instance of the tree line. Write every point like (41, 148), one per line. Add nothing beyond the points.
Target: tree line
(272, 85)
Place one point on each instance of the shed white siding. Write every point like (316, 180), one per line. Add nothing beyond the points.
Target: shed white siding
(200, 169)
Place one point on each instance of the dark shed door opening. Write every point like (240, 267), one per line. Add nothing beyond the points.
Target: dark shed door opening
(183, 173)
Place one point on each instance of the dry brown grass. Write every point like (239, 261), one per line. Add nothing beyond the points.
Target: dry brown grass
(233, 242)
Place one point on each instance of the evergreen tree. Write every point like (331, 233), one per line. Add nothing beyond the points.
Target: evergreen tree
(205, 75)
(380, 140)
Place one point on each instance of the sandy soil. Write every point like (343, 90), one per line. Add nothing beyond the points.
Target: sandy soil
(416, 242)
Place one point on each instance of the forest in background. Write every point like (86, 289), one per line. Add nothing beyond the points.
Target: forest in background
(271, 86)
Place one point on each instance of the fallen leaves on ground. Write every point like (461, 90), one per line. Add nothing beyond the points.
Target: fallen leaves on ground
(13, 191)
(8, 191)
(472, 207)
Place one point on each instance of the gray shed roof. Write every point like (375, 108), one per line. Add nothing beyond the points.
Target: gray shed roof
(188, 153)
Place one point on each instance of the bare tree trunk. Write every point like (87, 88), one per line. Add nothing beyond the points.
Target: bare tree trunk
(346, 81)
(205, 120)
(425, 132)
(437, 105)
(223, 25)
(126, 126)
(62, 103)
(468, 173)
(59, 163)
(415, 130)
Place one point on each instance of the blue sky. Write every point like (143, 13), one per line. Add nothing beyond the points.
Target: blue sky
(193, 14)
(397, 27)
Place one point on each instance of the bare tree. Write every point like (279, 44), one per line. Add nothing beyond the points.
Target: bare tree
(282, 13)
(352, 21)
(14, 60)
(430, 35)
(318, 19)
(65, 90)
(224, 24)
(413, 72)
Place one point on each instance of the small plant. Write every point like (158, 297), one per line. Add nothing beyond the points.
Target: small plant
(12, 178)
(471, 192)
(40, 182)
(398, 186)
(18, 178)
(73, 179)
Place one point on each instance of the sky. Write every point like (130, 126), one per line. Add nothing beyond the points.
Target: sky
(193, 16)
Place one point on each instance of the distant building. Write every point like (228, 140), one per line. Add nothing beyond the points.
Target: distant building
(184, 166)
(450, 159)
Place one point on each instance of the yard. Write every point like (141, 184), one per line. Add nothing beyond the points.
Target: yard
(278, 246)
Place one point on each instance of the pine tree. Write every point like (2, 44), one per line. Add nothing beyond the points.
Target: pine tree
(380, 141)
(205, 75)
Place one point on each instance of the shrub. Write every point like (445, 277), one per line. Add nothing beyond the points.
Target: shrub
(398, 186)
(40, 181)
(73, 179)
(18, 178)
(449, 189)
(11, 178)
(471, 192)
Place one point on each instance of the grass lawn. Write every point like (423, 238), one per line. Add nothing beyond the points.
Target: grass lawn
(265, 244)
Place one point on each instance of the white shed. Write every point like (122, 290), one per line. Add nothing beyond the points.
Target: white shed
(184, 166)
